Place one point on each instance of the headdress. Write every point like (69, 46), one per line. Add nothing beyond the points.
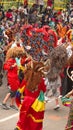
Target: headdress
(38, 43)
(14, 52)
(9, 34)
(58, 59)
(31, 74)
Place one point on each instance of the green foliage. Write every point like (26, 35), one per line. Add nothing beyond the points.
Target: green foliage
(9, 3)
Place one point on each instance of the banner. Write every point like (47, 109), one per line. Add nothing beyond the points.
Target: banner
(60, 4)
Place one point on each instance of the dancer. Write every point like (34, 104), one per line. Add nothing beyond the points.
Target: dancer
(54, 86)
(33, 106)
(66, 99)
(11, 67)
(57, 63)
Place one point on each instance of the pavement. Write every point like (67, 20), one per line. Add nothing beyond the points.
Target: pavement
(53, 119)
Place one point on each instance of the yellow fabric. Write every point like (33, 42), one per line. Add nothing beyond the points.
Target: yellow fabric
(21, 67)
(61, 30)
(18, 128)
(35, 120)
(38, 105)
(21, 90)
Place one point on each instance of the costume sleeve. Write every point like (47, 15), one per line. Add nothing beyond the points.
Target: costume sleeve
(42, 85)
(20, 93)
(8, 64)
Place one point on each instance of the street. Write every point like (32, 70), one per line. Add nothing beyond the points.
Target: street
(53, 119)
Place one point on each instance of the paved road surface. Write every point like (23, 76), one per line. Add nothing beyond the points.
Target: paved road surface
(53, 120)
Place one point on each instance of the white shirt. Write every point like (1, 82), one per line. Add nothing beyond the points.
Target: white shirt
(41, 2)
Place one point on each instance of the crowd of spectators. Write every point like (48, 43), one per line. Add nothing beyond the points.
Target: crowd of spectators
(36, 15)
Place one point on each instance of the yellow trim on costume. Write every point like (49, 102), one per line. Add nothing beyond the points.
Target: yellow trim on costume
(67, 103)
(21, 90)
(21, 67)
(38, 106)
(20, 106)
(18, 127)
(35, 120)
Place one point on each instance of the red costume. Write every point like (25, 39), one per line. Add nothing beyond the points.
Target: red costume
(32, 107)
(12, 74)
(30, 118)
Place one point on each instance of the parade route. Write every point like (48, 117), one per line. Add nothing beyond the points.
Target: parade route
(53, 120)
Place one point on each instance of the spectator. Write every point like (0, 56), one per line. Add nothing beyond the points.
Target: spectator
(33, 18)
(41, 5)
(9, 15)
(1, 15)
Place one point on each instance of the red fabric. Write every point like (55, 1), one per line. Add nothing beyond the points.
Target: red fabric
(12, 74)
(23, 83)
(41, 86)
(26, 110)
(9, 15)
(63, 40)
(49, 3)
(62, 75)
(18, 45)
(25, 2)
(59, 13)
(24, 60)
(25, 117)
